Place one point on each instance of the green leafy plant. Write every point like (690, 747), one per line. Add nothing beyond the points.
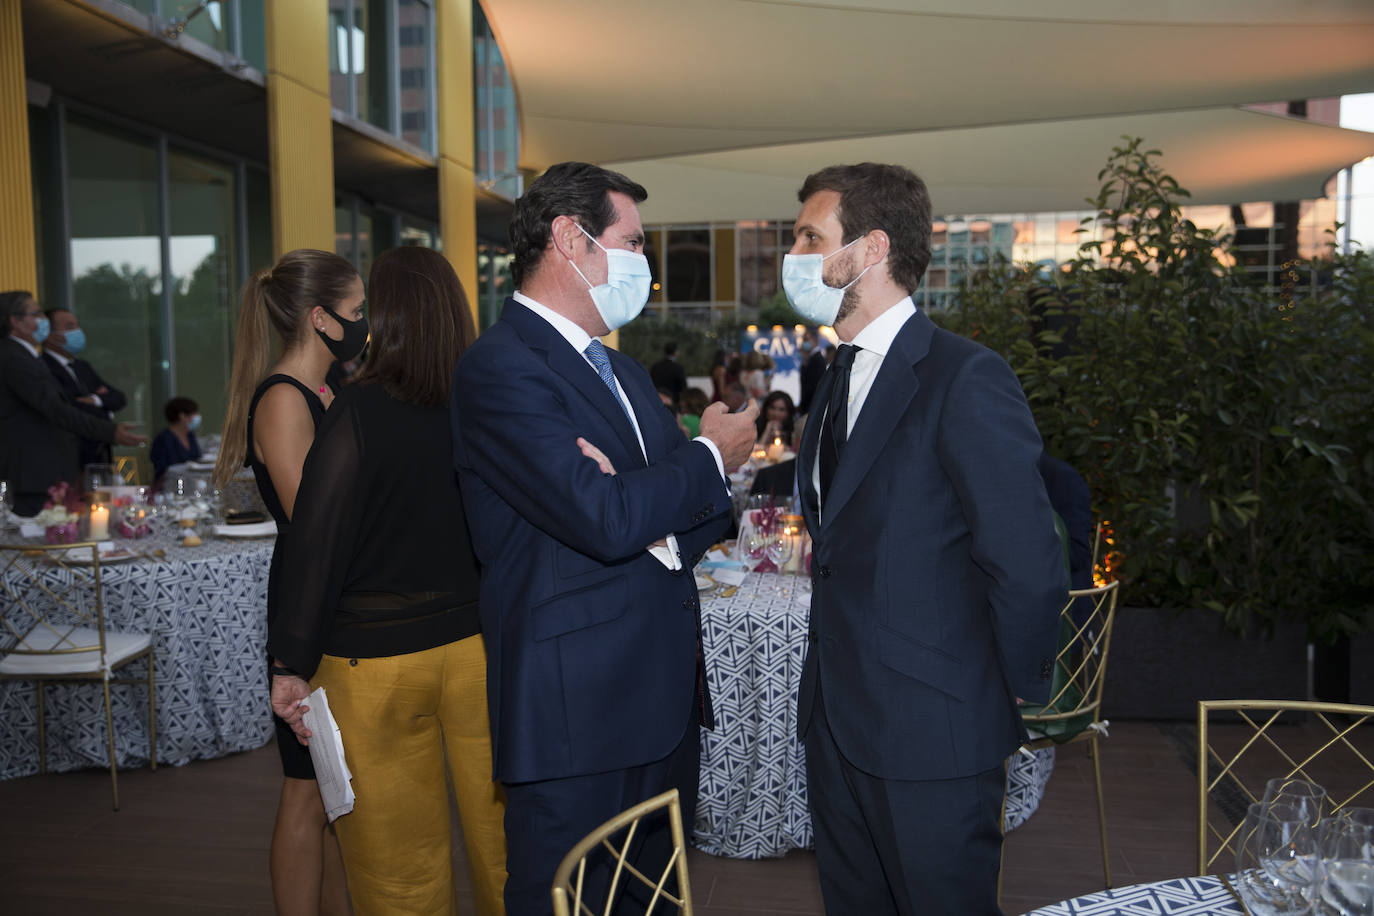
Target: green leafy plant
(1224, 429)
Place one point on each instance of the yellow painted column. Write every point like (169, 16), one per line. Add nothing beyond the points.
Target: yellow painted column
(299, 128)
(18, 253)
(457, 141)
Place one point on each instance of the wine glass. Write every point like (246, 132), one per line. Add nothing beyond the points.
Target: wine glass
(1346, 845)
(779, 549)
(1276, 861)
(1306, 797)
(6, 504)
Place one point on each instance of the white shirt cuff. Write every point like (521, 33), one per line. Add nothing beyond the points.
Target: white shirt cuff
(98, 402)
(715, 453)
(669, 556)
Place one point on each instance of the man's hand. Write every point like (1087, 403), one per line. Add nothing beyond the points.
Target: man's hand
(594, 453)
(87, 399)
(102, 390)
(733, 433)
(125, 435)
(288, 696)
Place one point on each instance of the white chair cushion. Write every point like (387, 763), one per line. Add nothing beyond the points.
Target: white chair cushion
(119, 648)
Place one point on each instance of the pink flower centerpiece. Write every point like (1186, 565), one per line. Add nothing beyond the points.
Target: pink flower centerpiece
(60, 515)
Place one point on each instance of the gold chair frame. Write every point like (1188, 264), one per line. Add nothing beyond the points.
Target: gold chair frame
(24, 561)
(1083, 659)
(568, 880)
(1263, 737)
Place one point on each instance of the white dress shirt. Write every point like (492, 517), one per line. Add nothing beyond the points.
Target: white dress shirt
(579, 339)
(874, 341)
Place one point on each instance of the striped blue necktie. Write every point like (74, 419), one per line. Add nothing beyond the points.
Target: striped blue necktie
(596, 353)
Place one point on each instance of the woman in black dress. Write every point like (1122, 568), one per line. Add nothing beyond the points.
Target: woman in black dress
(378, 605)
(313, 301)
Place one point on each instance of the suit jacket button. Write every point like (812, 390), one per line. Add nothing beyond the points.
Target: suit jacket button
(687, 603)
(826, 572)
(1046, 669)
(812, 637)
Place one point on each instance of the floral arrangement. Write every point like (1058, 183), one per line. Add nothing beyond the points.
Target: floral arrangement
(62, 508)
(60, 514)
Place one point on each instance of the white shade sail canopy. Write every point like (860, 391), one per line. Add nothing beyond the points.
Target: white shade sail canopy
(721, 106)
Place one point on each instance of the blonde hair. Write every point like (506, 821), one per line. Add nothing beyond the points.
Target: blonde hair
(276, 298)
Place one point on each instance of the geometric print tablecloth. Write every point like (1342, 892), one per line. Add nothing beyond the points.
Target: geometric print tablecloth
(1200, 896)
(205, 608)
(752, 802)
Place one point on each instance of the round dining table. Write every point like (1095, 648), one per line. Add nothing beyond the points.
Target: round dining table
(1206, 895)
(205, 608)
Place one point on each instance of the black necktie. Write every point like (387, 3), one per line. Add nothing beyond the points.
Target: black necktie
(835, 429)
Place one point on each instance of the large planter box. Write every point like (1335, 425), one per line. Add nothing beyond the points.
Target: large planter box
(1163, 661)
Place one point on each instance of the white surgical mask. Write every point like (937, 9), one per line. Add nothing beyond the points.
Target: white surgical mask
(621, 298)
(195, 422)
(808, 292)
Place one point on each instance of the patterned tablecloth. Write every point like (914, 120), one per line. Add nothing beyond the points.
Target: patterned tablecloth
(206, 609)
(752, 801)
(1204, 896)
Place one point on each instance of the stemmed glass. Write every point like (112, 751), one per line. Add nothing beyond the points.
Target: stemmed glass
(1276, 861)
(1346, 843)
(779, 550)
(1307, 798)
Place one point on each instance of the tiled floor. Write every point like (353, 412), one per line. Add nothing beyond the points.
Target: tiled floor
(194, 839)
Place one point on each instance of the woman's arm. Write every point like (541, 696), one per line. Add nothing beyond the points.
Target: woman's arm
(283, 431)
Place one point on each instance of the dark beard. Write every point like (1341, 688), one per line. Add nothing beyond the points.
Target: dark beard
(850, 303)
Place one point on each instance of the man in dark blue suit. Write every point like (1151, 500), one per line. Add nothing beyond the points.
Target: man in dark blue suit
(589, 610)
(937, 573)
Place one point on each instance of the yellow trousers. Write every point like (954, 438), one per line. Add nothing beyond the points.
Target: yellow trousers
(401, 719)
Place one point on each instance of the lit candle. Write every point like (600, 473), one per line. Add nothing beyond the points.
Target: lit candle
(776, 449)
(100, 522)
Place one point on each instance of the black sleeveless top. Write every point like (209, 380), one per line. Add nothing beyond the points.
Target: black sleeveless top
(250, 457)
(264, 479)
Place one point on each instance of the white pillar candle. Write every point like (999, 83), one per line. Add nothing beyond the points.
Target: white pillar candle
(100, 523)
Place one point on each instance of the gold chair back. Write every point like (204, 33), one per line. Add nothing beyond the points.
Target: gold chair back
(44, 613)
(617, 837)
(1080, 666)
(1235, 760)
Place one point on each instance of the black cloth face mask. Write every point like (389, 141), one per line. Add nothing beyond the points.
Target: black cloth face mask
(354, 336)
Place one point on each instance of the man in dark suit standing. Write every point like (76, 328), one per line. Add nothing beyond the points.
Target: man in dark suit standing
(668, 373)
(596, 685)
(79, 380)
(38, 427)
(937, 573)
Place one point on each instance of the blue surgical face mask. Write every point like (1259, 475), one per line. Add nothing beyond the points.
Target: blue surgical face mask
(807, 290)
(621, 298)
(195, 422)
(76, 341)
(44, 326)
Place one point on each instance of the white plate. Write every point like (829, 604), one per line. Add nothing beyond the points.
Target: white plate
(82, 556)
(265, 529)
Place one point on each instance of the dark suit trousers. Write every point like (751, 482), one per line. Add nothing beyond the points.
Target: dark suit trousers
(901, 846)
(29, 504)
(544, 820)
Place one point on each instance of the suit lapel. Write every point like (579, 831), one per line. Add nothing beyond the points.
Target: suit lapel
(575, 369)
(806, 456)
(892, 390)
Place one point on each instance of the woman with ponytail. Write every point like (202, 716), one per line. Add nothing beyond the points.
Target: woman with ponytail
(308, 308)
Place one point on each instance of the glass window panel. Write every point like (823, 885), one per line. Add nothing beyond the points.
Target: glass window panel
(416, 233)
(498, 133)
(494, 280)
(1260, 214)
(210, 25)
(689, 265)
(340, 55)
(371, 60)
(116, 263)
(416, 67)
(980, 232)
(47, 223)
(651, 246)
(204, 261)
(259, 221)
(759, 257)
(343, 230)
(253, 34)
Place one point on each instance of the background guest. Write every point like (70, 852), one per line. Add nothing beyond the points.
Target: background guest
(313, 301)
(378, 595)
(668, 374)
(39, 445)
(79, 381)
(177, 443)
(736, 396)
(693, 403)
(718, 376)
(812, 368)
(757, 368)
(777, 418)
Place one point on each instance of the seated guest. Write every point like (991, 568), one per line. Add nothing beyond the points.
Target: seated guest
(377, 603)
(177, 443)
(758, 370)
(79, 380)
(777, 418)
(778, 481)
(693, 403)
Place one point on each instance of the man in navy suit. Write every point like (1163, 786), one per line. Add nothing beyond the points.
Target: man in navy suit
(937, 573)
(79, 381)
(589, 610)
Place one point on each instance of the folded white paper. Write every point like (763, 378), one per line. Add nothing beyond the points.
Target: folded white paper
(327, 753)
(252, 530)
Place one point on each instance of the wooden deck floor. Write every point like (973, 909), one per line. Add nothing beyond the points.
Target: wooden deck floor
(194, 839)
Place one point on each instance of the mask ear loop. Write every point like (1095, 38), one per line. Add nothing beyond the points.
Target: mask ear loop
(598, 245)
